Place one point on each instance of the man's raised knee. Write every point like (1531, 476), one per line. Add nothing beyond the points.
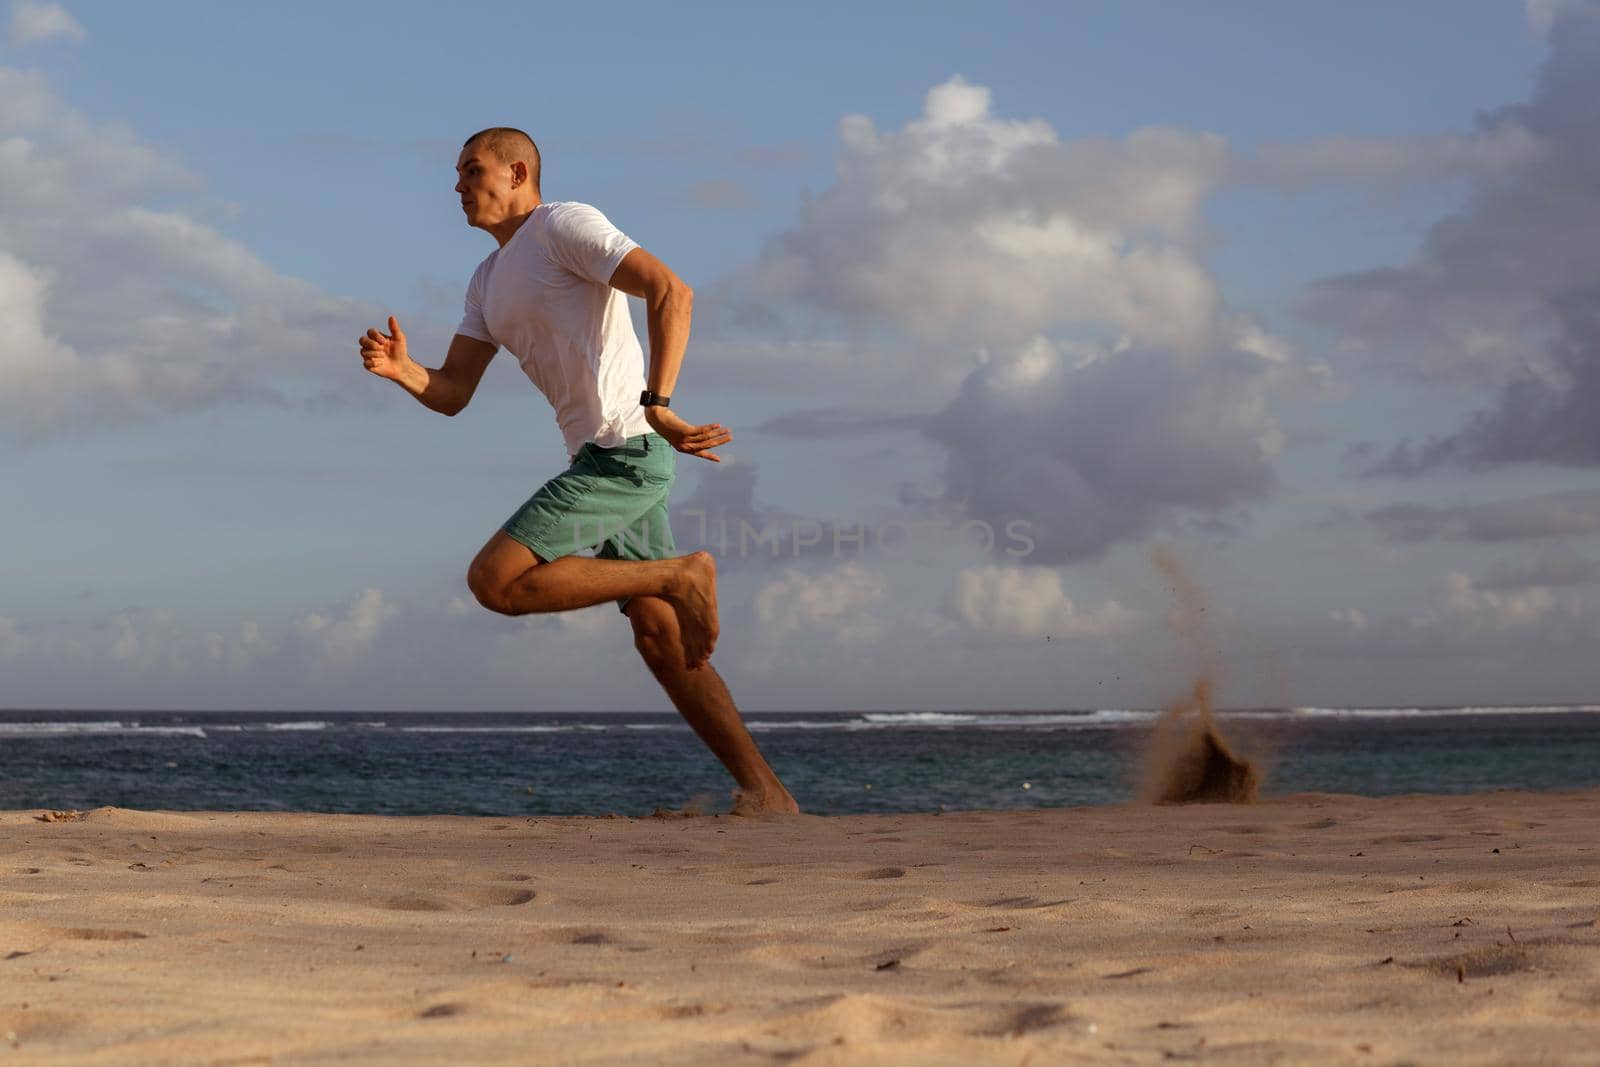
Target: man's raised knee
(488, 591)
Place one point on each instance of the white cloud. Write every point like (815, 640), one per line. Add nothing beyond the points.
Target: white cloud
(1467, 610)
(238, 652)
(144, 641)
(965, 229)
(1354, 618)
(37, 21)
(1058, 289)
(1032, 603)
(836, 604)
(115, 309)
(29, 354)
(343, 639)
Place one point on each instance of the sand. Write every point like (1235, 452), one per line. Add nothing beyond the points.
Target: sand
(1188, 761)
(1308, 930)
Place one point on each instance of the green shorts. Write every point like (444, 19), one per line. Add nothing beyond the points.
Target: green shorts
(613, 500)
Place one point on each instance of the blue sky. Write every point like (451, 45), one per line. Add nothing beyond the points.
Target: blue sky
(1133, 274)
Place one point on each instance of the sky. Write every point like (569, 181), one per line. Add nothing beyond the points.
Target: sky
(1001, 305)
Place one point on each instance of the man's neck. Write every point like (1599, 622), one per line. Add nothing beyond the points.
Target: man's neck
(503, 231)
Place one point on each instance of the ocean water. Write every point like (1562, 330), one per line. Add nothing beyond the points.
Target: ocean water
(834, 763)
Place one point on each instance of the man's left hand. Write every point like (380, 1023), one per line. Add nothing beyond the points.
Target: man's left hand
(689, 439)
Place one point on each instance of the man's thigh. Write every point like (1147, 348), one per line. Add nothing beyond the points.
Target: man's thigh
(499, 561)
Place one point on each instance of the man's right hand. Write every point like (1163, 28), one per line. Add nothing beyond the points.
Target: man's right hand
(384, 354)
(686, 437)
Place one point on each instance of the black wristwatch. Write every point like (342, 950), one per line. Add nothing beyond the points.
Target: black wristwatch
(647, 399)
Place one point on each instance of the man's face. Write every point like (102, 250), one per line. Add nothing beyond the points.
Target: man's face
(487, 186)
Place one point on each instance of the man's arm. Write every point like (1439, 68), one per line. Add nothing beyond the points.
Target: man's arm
(669, 307)
(446, 390)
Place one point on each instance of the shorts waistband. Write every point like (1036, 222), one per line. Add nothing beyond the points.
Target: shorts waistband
(641, 441)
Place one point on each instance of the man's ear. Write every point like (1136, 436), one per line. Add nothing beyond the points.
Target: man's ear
(519, 172)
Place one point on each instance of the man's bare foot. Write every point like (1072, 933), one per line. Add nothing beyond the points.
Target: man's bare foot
(695, 604)
(774, 802)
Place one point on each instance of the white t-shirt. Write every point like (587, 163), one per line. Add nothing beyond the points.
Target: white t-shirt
(545, 297)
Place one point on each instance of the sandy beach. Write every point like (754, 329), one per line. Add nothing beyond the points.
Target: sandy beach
(1311, 929)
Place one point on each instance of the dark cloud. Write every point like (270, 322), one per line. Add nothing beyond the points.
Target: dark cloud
(1555, 565)
(1549, 418)
(1090, 456)
(1502, 292)
(1570, 514)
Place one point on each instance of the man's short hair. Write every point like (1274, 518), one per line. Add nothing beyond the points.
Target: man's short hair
(509, 146)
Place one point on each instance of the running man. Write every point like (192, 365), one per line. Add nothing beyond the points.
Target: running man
(553, 294)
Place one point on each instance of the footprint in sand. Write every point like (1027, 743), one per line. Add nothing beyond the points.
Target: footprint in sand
(1023, 902)
(875, 873)
(1025, 1018)
(465, 900)
(498, 876)
(86, 933)
(692, 1010)
(1407, 839)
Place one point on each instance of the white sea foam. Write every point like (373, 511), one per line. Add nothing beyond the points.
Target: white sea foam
(256, 727)
(1418, 713)
(60, 729)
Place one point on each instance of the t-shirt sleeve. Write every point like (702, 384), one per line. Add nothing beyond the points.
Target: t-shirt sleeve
(583, 241)
(472, 321)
